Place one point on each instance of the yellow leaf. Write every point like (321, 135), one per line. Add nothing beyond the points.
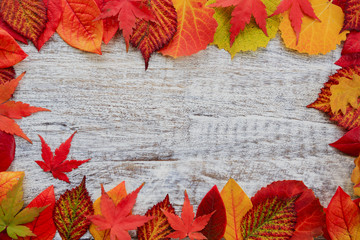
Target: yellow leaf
(316, 37)
(355, 176)
(252, 37)
(237, 204)
(116, 194)
(7, 181)
(344, 93)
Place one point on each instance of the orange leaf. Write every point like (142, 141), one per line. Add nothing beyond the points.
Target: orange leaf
(111, 25)
(7, 181)
(77, 27)
(10, 51)
(237, 204)
(195, 30)
(7, 74)
(116, 194)
(27, 17)
(355, 176)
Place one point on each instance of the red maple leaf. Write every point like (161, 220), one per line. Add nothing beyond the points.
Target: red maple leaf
(187, 226)
(117, 218)
(352, 15)
(126, 11)
(58, 165)
(297, 9)
(241, 15)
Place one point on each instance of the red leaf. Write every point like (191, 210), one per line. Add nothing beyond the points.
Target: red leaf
(297, 10)
(71, 211)
(340, 3)
(158, 227)
(10, 51)
(187, 226)
(309, 212)
(343, 217)
(349, 143)
(117, 218)
(241, 15)
(348, 60)
(43, 226)
(58, 165)
(111, 25)
(352, 15)
(12, 32)
(352, 43)
(126, 11)
(53, 12)
(7, 150)
(7, 74)
(212, 202)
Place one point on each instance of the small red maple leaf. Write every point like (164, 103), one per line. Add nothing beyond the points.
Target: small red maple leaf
(241, 15)
(126, 11)
(297, 9)
(118, 218)
(186, 226)
(58, 165)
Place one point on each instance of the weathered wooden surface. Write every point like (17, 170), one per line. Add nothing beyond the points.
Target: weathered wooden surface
(187, 123)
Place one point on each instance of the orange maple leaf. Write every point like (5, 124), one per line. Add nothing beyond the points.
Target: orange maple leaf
(10, 110)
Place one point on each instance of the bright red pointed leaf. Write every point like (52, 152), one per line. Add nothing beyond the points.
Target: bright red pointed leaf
(53, 12)
(7, 74)
(11, 109)
(71, 212)
(58, 165)
(187, 226)
(309, 213)
(117, 218)
(127, 11)
(343, 217)
(352, 43)
(157, 228)
(111, 24)
(7, 150)
(10, 51)
(349, 60)
(43, 226)
(352, 15)
(212, 202)
(12, 32)
(241, 15)
(297, 10)
(349, 143)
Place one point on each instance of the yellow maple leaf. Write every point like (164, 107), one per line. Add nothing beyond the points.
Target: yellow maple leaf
(344, 93)
(316, 36)
(355, 176)
(252, 37)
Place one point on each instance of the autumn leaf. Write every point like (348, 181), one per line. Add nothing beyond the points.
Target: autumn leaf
(7, 150)
(349, 60)
(237, 204)
(212, 203)
(7, 74)
(127, 11)
(10, 110)
(340, 3)
(187, 226)
(10, 51)
(111, 25)
(349, 143)
(343, 217)
(241, 15)
(43, 226)
(12, 32)
(316, 36)
(350, 54)
(195, 28)
(352, 15)
(252, 37)
(310, 217)
(157, 228)
(348, 119)
(27, 17)
(12, 218)
(71, 211)
(149, 36)
(58, 165)
(355, 176)
(116, 194)
(77, 26)
(53, 13)
(7, 181)
(117, 218)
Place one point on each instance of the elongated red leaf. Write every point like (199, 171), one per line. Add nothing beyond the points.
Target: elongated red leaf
(43, 226)
(212, 202)
(7, 150)
(71, 212)
(151, 36)
(349, 143)
(111, 25)
(27, 17)
(7, 74)
(12, 32)
(157, 228)
(10, 51)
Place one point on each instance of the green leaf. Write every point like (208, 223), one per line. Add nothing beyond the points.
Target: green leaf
(71, 211)
(19, 231)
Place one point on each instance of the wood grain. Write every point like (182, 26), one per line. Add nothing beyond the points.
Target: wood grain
(187, 123)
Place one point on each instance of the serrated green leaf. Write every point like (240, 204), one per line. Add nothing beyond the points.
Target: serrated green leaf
(71, 211)
(19, 231)
(271, 219)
